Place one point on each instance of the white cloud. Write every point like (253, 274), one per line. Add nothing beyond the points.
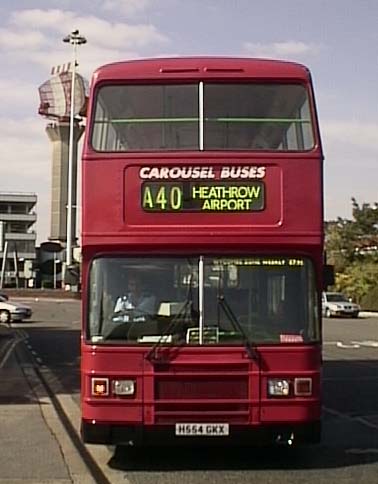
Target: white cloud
(34, 37)
(93, 57)
(25, 152)
(283, 50)
(127, 7)
(120, 35)
(97, 30)
(107, 41)
(26, 166)
(13, 40)
(363, 136)
(89, 58)
(42, 19)
(24, 95)
(351, 155)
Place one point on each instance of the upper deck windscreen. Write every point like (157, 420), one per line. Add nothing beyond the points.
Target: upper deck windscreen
(202, 116)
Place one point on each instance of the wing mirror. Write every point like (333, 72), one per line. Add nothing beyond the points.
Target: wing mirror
(328, 276)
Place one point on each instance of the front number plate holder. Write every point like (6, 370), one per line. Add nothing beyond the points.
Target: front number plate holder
(202, 429)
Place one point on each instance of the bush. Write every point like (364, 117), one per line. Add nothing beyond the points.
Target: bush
(370, 300)
(358, 280)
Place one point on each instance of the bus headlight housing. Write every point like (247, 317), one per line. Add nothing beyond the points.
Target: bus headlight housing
(278, 387)
(124, 387)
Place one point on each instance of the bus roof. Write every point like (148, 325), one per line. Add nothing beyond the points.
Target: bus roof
(202, 68)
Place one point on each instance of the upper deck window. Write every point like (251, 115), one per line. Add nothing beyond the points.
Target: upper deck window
(204, 116)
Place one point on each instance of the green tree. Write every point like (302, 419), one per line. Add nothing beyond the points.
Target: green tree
(366, 218)
(340, 241)
(352, 247)
(366, 231)
(358, 280)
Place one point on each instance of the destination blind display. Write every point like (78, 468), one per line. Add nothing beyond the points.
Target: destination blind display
(190, 196)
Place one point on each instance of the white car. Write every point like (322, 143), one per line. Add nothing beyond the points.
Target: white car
(336, 304)
(13, 311)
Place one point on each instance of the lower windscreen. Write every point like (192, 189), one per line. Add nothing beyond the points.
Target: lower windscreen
(262, 299)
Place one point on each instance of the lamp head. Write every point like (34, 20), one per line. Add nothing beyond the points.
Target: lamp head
(75, 38)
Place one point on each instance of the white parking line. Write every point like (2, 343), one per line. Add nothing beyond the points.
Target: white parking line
(360, 420)
(352, 344)
(12, 344)
(9, 350)
(348, 346)
(368, 343)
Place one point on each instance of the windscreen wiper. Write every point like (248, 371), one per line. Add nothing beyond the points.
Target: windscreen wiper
(180, 317)
(250, 349)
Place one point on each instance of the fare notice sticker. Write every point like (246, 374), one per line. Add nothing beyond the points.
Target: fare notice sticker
(291, 338)
(202, 429)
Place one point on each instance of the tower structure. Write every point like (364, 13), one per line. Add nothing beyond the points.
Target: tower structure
(55, 97)
(58, 134)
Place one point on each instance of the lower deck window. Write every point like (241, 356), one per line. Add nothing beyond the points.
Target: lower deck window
(226, 300)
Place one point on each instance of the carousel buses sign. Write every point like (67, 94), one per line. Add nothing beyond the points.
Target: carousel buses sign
(202, 188)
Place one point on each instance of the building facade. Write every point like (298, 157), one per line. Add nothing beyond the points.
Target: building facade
(18, 240)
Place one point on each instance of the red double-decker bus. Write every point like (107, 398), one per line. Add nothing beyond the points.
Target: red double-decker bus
(202, 241)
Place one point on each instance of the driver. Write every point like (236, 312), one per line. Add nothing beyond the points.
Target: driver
(136, 299)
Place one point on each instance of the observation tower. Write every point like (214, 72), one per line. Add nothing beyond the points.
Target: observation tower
(55, 105)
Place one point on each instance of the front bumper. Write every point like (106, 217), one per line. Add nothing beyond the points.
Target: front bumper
(20, 316)
(303, 433)
(342, 312)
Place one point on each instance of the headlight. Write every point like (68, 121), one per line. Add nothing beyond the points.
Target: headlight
(124, 387)
(278, 387)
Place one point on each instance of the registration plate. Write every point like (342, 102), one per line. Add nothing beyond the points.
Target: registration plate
(202, 429)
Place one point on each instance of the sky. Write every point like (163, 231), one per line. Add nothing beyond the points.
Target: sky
(336, 39)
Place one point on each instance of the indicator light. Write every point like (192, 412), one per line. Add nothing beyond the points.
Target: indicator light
(303, 387)
(100, 387)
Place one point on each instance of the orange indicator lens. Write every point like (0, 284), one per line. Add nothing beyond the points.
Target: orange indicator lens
(100, 387)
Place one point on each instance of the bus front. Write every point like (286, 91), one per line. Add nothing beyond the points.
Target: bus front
(202, 254)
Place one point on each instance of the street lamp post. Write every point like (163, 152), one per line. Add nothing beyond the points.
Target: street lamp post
(54, 271)
(75, 39)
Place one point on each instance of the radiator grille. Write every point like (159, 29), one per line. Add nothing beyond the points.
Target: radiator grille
(190, 395)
